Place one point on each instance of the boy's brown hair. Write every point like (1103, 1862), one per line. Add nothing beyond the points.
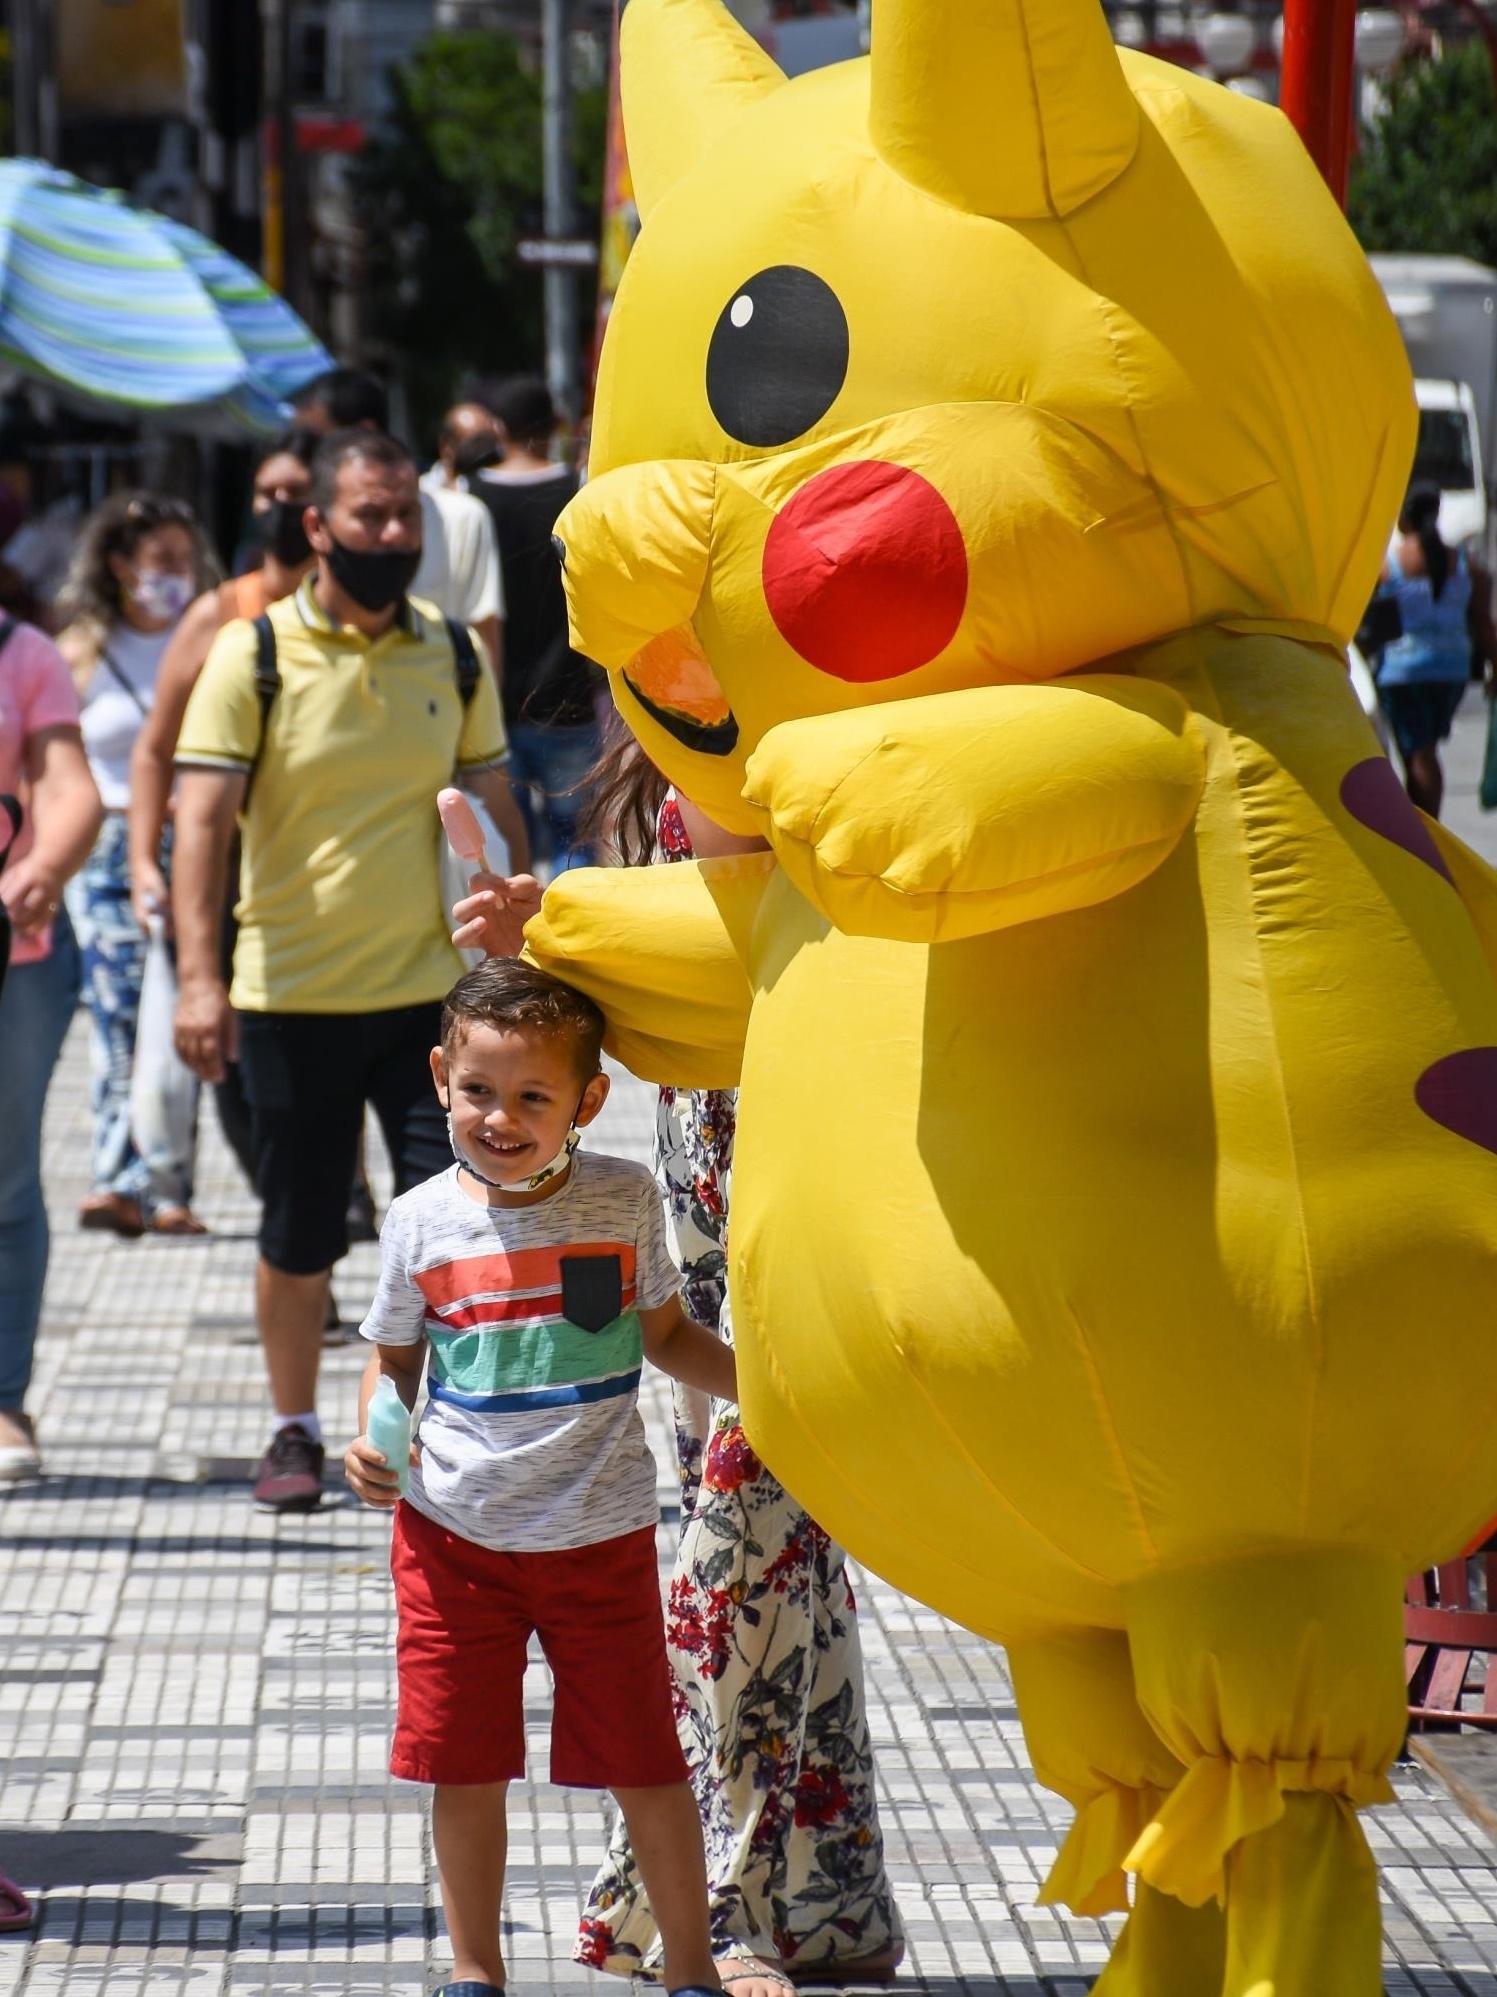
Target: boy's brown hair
(514, 996)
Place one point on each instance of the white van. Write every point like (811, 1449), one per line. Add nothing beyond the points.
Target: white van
(1449, 456)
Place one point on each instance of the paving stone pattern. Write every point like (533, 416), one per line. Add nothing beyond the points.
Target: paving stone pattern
(195, 1700)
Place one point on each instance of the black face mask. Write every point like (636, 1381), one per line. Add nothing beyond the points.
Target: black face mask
(374, 579)
(281, 531)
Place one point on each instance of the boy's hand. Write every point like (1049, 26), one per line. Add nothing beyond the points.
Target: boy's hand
(369, 1475)
(493, 916)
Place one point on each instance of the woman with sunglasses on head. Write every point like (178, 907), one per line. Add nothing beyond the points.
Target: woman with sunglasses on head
(141, 561)
(282, 483)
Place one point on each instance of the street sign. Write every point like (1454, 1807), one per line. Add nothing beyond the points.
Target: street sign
(572, 253)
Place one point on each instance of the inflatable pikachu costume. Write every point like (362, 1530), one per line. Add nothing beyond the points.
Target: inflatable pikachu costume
(995, 447)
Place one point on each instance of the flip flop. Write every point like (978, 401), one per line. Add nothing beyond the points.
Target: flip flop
(15, 1909)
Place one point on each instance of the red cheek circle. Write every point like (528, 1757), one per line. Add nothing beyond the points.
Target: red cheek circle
(865, 572)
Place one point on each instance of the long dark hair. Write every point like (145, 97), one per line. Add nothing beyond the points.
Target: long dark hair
(1421, 518)
(624, 794)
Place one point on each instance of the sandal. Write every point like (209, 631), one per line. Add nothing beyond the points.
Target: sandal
(176, 1220)
(752, 1969)
(112, 1213)
(15, 1909)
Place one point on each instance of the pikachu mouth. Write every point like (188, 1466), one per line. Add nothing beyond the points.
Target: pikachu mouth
(676, 687)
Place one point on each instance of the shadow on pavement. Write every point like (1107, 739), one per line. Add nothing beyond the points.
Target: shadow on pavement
(125, 1856)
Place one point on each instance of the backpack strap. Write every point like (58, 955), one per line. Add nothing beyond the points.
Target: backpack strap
(267, 686)
(464, 658)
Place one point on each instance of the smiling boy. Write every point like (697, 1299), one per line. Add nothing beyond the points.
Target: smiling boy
(537, 1278)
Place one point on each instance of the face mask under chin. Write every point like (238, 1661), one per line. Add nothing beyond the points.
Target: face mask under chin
(532, 1181)
(374, 578)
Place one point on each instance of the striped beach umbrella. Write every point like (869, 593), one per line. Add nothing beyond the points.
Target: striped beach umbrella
(104, 299)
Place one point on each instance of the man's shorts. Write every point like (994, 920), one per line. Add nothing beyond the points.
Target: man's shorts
(465, 1617)
(307, 1076)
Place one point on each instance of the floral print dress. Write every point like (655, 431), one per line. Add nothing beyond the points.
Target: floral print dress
(762, 1631)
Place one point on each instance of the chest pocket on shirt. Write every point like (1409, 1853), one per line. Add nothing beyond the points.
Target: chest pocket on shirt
(592, 1290)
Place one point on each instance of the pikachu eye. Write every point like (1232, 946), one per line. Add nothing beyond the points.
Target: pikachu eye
(778, 356)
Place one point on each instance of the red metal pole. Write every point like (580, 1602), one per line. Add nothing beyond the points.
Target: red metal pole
(1316, 82)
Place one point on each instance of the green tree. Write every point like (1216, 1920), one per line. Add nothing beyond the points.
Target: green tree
(448, 185)
(1426, 177)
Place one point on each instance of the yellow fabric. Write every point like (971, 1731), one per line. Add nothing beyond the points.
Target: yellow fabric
(1302, 1918)
(1014, 108)
(1134, 1205)
(1290, 1681)
(1090, 1743)
(1059, 796)
(684, 1023)
(1167, 1949)
(341, 818)
(704, 68)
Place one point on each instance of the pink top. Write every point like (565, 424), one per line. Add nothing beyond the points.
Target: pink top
(36, 692)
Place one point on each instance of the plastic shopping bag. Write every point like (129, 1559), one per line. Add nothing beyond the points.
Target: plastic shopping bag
(163, 1090)
(456, 872)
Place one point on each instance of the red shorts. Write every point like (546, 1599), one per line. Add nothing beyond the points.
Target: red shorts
(466, 1615)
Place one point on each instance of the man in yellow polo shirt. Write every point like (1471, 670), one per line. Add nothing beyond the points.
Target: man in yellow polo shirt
(343, 955)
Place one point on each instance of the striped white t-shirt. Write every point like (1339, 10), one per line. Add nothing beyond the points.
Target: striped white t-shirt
(531, 1439)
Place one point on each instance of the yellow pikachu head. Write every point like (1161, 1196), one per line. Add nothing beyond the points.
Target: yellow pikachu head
(979, 360)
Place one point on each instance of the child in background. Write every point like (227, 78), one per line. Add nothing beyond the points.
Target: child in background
(537, 1279)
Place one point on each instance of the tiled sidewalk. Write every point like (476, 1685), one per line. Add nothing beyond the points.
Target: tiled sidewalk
(194, 1700)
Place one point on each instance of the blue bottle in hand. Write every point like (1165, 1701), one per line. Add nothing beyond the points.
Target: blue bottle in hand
(388, 1426)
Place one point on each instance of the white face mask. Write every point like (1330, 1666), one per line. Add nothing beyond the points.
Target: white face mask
(162, 593)
(532, 1180)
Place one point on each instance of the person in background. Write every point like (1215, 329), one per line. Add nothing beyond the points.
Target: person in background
(459, 570)
(373, 716)
(42, 759)
(282, 482)
(20, 434)
(141, 561)
(550, 691)
(468, 430)
(1422, 675)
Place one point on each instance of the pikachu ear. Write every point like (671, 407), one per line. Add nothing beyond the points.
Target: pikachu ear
(1012, 108)
(687, 69)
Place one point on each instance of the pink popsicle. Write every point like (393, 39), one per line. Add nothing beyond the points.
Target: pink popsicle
(462, 828)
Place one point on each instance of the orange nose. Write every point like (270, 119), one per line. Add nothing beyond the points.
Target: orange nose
(672, 673)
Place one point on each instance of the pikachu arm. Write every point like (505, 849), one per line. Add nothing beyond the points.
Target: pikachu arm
(953, 814)
(1475, 882)
(659, 949)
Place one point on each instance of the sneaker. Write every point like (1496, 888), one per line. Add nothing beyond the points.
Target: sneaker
(19, 1456)
(290, 1474)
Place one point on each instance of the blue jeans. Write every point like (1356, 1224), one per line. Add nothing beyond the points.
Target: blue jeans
(553, 762)
(114, 960)
(36, 1006)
